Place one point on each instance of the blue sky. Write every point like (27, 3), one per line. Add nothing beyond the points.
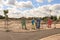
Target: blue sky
(45, 2)
(37, 4)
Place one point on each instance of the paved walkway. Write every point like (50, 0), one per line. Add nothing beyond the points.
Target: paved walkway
(28, 35)
(53, 37)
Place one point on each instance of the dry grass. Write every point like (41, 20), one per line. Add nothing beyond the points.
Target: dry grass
(15, 25)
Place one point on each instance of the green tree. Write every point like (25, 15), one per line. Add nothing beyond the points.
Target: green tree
(45, 19)
(54, 18)
(6, 19)
(1, 17)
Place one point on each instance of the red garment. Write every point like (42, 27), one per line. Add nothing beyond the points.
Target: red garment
(49, 21)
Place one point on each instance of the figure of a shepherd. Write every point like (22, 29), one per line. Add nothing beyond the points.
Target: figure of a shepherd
(49, 22)
(23, 22)
(33, 23)
(38, 21)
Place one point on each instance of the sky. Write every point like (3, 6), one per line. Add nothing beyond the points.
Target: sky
(30, 8)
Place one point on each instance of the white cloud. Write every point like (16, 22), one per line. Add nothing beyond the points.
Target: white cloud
(1, 12)
(11, 2)
(1, 9)
(3, 2)
(35, 12)
(38, 12)
(27, 14)
(27, 4)
(1, 6)
(21, 4)
(50, 1)
(40, 1)
(55, 7)
(0, 1)
(41, 11)
(14, 13)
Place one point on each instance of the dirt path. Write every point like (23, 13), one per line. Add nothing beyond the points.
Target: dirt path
(28, 35)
